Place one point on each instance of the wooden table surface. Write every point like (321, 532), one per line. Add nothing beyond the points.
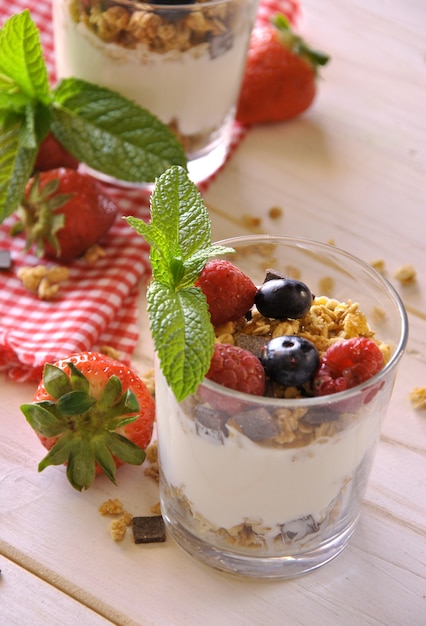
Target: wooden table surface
(351, 170)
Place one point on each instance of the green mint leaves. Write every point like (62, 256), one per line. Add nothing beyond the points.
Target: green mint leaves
(179, 234)
(97, 126)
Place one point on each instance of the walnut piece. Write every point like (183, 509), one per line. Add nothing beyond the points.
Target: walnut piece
(42, 279)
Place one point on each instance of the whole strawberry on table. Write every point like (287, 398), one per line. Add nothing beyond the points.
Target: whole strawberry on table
(63, 213)
(281, 74)
(92, 413)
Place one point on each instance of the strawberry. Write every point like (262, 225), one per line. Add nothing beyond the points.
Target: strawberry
(64, 212)
(93, 414)
(280, 79)
(346, 364)
(229, 292)
(51, 155)
(236, 368)
(290, 8)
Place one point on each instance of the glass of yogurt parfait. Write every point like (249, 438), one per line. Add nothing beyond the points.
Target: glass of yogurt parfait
(182, 62)
(272, 486)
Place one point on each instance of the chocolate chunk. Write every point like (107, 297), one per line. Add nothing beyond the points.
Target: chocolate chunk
(251, 343)
(5, 260)
(273, 275)
(219, 44)
(256, 424)
(316, 417)
(210, 424)
(150, 529)
(299, 528)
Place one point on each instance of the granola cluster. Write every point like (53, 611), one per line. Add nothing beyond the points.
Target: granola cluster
(129, 23)
(45, 281)
(253, 534)
(327, 321)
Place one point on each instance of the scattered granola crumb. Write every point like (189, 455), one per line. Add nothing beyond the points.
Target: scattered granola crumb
(152, 452)
(378, 315)
(406, 274)
(117, 527)
(418, 397)
(156, 509)
(110, 351)
(379, 265)
(251, 221)
(292, 272)
(111, 507)
(94, 253)
(149, 379)
(31, 276)
(275, 212)
(326, 285)
(331, 242)
(43, 280)
(153, 470)
(57, 274)
(47, 291)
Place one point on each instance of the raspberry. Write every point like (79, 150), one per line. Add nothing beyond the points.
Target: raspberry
(237, 369)
(346, 364)
(229, 292)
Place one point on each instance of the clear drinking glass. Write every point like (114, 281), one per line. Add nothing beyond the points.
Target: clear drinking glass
(182, 62)
(246, 501)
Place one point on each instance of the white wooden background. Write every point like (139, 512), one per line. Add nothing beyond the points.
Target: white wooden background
(351, 170)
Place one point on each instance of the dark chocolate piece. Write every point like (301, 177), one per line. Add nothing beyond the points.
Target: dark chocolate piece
(150, 529)
(299, 528)
(316, 417)
(256, 424)
(210, 424)
(5, 260)
(219, 44)
(273, 275)
(251, 343)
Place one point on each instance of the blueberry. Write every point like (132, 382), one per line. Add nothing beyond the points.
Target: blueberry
(172, 2)
(290, 360)
(283, 297)
(172, 15)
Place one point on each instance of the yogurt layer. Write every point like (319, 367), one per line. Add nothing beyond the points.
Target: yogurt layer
(237, 480)
(192, 89)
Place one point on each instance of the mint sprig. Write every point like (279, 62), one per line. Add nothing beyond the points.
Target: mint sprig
(96, 125)
(179, 234)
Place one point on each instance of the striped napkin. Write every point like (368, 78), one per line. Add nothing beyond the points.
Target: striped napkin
(97, 305)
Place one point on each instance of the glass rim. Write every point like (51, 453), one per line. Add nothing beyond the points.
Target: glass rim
(139, 4)
(328, 399)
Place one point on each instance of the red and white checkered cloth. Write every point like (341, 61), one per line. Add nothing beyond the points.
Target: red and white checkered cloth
(97, 305)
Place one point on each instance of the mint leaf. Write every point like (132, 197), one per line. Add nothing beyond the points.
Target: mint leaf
(24, 102)
(97, 126)
(183, 335)
(22, 68)
(112, 134)
(179, 234)
(179, 231)
(16, 163)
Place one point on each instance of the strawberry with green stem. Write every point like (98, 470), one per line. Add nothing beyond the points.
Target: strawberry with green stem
(280, 79)
(93, 414)
(63, 213)
(97, 126)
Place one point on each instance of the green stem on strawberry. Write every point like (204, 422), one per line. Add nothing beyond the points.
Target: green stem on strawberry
(87, 427)
(95, 125)
(297, 44)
